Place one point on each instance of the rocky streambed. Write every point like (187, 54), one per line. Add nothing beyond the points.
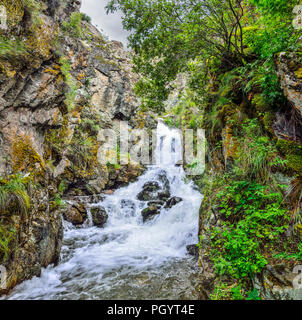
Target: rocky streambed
(133, 243)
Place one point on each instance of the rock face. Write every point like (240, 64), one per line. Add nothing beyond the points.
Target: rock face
(277, 283)
(290, 75)
(60, 84)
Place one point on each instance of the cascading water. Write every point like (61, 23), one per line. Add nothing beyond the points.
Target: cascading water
(129, 258)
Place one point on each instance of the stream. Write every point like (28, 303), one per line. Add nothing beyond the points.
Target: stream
(129, 258)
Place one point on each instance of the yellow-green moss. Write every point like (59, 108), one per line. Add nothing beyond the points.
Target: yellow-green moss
(294, 162)
(24, 156)
(289, 147)
(260, 103)
(268, 119)
(298, 73)
(14, 10)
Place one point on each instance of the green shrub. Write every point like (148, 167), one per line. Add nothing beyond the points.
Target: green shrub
(253, 217)
(13, 195)
(73, 26)
(85, 17)
(11, 48)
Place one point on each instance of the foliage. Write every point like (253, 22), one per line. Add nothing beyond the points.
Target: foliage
(7, 235)
(227, 292)
(256, 153)
(253, 219)
(73, 26)
(13, 195)
(296, 256)
(167, 35)
(70, 82)
(85, 17)
(11, 48)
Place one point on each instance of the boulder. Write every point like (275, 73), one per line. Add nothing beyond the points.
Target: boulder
(149, 213)
(108, 192)
(164, 195)
(172, 202)
(76, 214)
(149, 192)
(99, 216)
(156, 203)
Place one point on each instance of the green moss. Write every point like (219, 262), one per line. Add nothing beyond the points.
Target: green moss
(106, 62)
(294, 162)
(268, 119)
(293, 153)
(260, 104)
(289, 147)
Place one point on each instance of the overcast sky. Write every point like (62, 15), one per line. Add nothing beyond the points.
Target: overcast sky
(111, 24)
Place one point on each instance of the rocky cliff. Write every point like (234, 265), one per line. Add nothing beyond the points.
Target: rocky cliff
(60, 83)
(247, 248)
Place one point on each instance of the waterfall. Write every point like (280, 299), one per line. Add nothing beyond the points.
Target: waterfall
(130, 258)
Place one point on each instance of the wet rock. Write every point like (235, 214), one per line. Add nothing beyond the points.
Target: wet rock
(99, 216)
(179, 163)
(108, 192)
(164, 195)
(172, 202)
(156, 203)
(193, 250)
(149, 213)
(149, 192)
(77, 214)
(277, 283)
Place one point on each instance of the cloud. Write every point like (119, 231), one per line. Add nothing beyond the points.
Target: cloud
(110, 25)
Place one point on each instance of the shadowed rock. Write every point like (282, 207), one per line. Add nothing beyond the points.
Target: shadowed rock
(99, 216)
(149, 213)
(172, 202)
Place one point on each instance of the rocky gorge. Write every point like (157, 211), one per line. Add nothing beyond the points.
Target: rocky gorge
(73, 228)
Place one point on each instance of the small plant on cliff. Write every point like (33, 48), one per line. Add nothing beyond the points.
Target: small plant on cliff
(70, 82)
(73, 26)
(85, 17)
(256, 155)
(13, 195)
(7, 235)
(11, 49)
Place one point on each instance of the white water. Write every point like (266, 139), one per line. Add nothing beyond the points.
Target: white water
(129, 259)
